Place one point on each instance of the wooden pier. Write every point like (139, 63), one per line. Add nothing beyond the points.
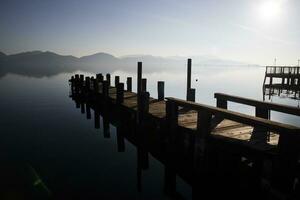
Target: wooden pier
(211, 148)
(282, 80)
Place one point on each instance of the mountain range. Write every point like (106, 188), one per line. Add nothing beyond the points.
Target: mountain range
(45, 63)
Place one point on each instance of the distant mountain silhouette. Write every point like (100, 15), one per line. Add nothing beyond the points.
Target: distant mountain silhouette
(2, 55)
(39, 63)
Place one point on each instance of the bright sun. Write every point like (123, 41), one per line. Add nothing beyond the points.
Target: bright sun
(270, 9)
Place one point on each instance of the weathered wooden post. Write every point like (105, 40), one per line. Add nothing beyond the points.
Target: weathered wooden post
(120, 93)
(203, 132)
(189, 75)
(160, 90)
(171, 132)
(191, 94)
(87, 83)
(72, 81)
(262, 135)
(143, 106)
(96, 86)
(92, 83)
(129, 84)
(144, 85)
(171, 116)
(105, 90)
(117, 80)
(285, 168)
(99, 77)
(203, 146)
(221, 103)
(108, 79)
(81, 79)
(139, 77)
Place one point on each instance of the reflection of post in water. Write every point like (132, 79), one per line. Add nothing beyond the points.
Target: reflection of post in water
(82, 107)
(88, 111)
(77, 104)
(106, 129)
(142, 164)
(97, 119)
(170, 180)
(120, 139)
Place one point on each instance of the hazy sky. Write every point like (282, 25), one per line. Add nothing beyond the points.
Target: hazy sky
(254, 31)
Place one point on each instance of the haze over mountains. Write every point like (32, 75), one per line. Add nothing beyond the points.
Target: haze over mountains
(39, 63)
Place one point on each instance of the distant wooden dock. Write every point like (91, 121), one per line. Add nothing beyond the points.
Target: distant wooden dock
(215, 139)
(282, 80)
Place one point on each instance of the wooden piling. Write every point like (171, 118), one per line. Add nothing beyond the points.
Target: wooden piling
(222, 103)
(99, 77)
(160, 90)
(139, 77)
(92, 83)
(87, 83)
(144, 85)
(81, 79)
(108, 79)
(117, 80)
(143, 106)
(96, 86)
(191, 95)
(120, 93)
(171, 117)
(129, 84)
(105, 90)
(189, 75)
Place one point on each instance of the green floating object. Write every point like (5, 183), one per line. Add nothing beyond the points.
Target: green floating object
(37, 182)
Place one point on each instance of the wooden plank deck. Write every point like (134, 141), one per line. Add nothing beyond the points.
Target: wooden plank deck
(188, 119)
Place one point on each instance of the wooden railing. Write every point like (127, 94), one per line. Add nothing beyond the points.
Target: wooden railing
(206, 112)
(260, 106)
(288, 148)
(282, 70)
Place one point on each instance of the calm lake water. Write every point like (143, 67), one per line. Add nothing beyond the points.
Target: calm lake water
(41, 127)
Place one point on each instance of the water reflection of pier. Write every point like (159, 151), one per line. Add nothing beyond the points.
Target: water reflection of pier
(282, 81)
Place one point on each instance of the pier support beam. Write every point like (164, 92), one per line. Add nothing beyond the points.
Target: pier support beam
(117, 80)
(143, 106)
(120, 93)
(99, 77)
(160, 90)
(189, 75)
(105, 87)
(129, 84)
(139, 77)
(191, 95)
(144, 85)
(108, 79)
